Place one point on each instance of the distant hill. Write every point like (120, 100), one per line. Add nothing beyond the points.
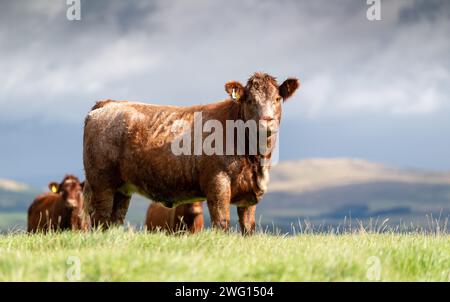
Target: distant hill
(325, 191)
(315, 174)
(322, 191)
(15, 198)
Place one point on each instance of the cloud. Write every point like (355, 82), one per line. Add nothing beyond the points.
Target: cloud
(182, 52)
(387, 67)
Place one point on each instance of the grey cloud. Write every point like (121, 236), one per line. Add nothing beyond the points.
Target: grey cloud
(138, 49)
(431, 10)
(377, 90)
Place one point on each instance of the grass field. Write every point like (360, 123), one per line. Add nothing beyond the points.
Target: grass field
(127, 255)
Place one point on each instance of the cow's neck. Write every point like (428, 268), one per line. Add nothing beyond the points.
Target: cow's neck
(260, 170)
(260, 164)
(77, 219)
(72, 216)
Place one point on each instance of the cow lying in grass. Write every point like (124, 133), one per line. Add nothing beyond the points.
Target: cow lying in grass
(185, 217)
(60, 209)
(129, 148)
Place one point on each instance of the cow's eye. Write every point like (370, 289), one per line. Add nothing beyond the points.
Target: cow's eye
(278, 99)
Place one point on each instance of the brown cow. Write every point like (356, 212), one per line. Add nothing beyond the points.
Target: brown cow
(183, 217)
(128, 148)
(61, 209)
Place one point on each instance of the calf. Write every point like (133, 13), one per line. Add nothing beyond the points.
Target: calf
(129, 148)
(60, 209)
(183, 217)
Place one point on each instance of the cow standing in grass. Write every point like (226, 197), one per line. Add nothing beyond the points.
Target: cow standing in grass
(128, 148)
(185, 217)
(60, 209)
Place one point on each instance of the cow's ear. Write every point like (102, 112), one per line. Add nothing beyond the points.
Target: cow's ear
(234, 89)
(288, 88)
(54, 187)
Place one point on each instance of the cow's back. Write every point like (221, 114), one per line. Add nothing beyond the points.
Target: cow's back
(183, 217)
(159, 217)
(128, 146)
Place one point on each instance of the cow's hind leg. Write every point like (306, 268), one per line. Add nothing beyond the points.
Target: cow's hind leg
(220, 214)
(101, 206)
(120, 208)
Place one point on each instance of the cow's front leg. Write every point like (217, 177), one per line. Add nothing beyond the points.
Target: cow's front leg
(247, 219)
(218, 199)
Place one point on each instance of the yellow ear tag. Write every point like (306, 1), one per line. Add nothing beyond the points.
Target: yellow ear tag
(54, 189)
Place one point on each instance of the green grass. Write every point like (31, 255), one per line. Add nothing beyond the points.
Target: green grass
(120, 255)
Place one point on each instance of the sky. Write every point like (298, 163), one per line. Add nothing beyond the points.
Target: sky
(377, 90)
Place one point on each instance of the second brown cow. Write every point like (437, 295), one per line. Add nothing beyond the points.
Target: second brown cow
(60, 209)
(185, 217)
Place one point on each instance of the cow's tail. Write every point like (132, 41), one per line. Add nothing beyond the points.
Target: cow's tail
(101, 104)
(87, 205)
(98, 105)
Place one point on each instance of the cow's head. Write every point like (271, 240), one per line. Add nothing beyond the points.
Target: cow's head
(71, 189)
(261, 98)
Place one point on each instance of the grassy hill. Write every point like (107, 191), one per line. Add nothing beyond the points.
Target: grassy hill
(315, 174)
(324, 192)
(14, 201)
(119, 255)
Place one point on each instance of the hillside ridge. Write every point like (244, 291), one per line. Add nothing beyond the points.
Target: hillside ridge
(318, 173)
